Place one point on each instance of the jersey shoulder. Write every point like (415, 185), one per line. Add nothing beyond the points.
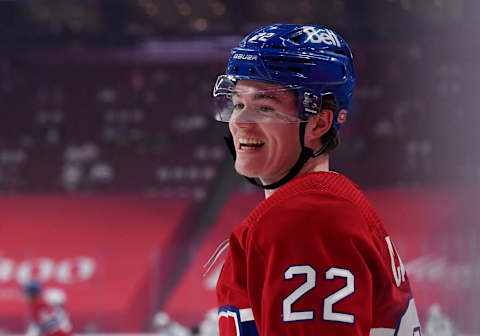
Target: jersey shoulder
(310, 213)
(323, 209)
(329, 195)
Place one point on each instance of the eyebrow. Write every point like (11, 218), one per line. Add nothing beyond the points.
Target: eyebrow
(259, 96)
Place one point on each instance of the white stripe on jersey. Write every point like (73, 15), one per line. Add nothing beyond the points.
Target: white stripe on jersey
(409, 324)
(382, 332)
(246, 314)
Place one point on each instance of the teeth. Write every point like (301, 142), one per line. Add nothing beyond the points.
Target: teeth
(248, 141)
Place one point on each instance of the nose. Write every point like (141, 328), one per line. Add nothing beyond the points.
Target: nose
(242, 124)
(243, 117)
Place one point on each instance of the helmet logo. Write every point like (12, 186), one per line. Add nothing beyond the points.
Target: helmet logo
(263, 37)
(245, 57)
(321, 35)
(342, 116)
(310, 101)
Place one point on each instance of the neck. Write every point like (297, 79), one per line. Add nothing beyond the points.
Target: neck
(320, 163)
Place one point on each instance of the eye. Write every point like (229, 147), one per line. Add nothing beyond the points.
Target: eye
(266, 109)
(238, 106)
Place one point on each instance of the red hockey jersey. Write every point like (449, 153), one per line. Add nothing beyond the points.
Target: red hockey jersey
(51, 321)
(314, 259)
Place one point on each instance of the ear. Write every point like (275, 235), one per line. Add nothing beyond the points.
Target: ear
(316, 127)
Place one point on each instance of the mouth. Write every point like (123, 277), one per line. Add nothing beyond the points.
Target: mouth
(249, 144)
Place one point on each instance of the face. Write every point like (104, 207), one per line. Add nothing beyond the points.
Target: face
(267, 149)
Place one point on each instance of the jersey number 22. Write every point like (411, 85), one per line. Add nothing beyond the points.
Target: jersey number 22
(328, 302)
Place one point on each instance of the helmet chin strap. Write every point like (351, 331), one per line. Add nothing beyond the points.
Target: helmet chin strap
(304, 156)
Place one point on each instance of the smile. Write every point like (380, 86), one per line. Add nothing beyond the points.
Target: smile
(250, 144)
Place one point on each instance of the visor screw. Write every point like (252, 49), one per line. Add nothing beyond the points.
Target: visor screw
(235, 69)
(251, 70)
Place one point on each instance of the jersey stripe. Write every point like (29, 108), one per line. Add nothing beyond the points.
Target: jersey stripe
(246, 314)
(382, 332)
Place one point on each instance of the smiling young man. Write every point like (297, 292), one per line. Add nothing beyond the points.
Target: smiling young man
(313, 258)
(265, 149)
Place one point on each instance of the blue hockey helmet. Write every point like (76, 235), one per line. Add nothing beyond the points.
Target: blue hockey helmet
(32, 288)
(313, 60)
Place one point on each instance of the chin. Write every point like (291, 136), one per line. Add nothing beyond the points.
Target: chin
(247, 171)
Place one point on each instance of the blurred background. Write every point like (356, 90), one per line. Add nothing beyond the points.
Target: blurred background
(116, 186)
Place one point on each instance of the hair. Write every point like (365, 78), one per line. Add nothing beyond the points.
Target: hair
(332, 136)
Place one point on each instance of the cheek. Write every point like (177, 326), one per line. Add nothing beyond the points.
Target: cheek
(231, 127)
(287, 141)
(232, 130)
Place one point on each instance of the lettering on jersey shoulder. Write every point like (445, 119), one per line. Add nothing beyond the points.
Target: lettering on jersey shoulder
(397, 270)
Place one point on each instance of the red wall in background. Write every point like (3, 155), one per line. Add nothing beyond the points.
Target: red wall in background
(105, 252)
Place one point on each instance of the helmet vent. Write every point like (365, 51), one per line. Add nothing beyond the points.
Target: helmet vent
(296, 38)
(288, 60)
(275, 67)
(291, 65)
(273, 46)
(294, 69)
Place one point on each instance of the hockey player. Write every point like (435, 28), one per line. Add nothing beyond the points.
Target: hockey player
(47, 319)
(313, 258)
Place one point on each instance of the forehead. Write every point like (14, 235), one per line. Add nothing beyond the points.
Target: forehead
(256, 87)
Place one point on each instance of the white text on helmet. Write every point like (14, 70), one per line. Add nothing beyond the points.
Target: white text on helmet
(263, 37)
(245, 57)
(321, 35)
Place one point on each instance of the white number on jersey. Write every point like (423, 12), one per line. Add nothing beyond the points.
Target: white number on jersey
(288, 315)
(328, 302)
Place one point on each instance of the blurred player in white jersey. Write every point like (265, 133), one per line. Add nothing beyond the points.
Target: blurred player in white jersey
(313, 258)
(47, 313)
(163, 325)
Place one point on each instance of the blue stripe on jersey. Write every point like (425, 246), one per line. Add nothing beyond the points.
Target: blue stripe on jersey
(245, 328)
(249, 328)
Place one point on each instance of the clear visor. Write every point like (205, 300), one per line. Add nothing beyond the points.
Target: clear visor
(246, 101)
